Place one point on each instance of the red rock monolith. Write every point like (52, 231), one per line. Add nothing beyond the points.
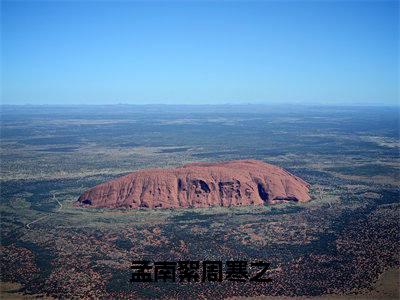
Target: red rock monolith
(231, 183)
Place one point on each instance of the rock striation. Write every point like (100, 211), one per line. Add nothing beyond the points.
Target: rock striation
(231, 183)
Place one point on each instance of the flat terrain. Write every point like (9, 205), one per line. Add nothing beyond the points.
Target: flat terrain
(341, 243)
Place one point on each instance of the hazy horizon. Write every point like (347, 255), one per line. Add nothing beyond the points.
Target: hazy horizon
(200, 53)
(272, 104)
(395, 103)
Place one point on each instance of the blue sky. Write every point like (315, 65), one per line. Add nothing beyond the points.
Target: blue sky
(317, 52)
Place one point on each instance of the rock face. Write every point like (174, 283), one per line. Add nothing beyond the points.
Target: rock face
(232, 183)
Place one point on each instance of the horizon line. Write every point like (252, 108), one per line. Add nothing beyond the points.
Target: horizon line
(211, 104)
